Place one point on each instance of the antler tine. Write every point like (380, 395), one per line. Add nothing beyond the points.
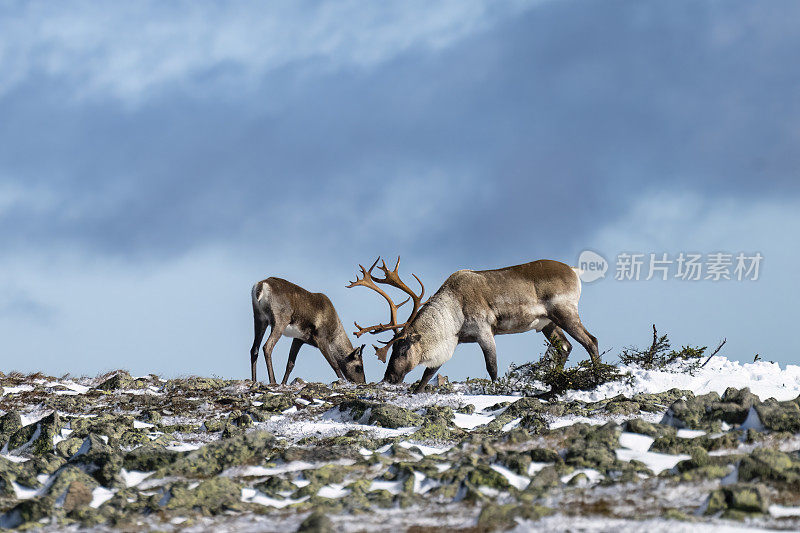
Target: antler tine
(392, 277)
(368, 281)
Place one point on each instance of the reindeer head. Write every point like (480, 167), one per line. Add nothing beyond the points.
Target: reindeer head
(400, 362)
(353, 366)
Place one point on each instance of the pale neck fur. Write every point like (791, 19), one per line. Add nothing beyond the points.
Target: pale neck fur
(438, 325)
(340, 346)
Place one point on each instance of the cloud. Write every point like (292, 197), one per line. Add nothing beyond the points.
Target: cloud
(129, 51)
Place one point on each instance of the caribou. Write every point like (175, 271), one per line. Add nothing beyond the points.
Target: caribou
(472, 306)
(308, 318)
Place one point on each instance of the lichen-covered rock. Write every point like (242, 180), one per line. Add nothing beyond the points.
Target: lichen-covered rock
(210, 497)
(779, 416)
(150, 457)
(595, 447)
(672, 444)
(275, 403)
(68, 447)
(98, 459)
(316, 522)
(121, 380)
(495, 517)
(637, 425)
(392, 416)
(770, 465)
(691, 412)
(213, 458)
(749, 498)
(38, 436)
(10, 423)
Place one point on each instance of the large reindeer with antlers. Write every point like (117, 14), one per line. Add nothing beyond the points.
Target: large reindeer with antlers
(474, 306)
(308, 318)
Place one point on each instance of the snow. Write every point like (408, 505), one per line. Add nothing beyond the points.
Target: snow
(18, 388)
(570, 420)
(255, 496)
(752, 421)
(134, 477)
(593, 475)
(779, 511)
(635, 441)
(514, 479)
(142, 425)
(465, 421)
(425, 450)
(395, 487)
(765, 380)
(657, 462)
(334, 490)
(183, 447)
(690, 433)
(100, 495)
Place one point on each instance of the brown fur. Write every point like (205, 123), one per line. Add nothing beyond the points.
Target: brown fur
(312, 319)
(474, 306)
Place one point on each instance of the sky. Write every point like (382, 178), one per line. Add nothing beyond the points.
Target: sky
(157, 159)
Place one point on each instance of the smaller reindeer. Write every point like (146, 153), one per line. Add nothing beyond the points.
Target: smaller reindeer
(307, 317)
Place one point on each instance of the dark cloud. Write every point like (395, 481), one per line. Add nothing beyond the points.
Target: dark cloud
(516, 142)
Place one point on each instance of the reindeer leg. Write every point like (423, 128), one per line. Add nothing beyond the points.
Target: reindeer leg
(261, 324)
(272, 340)
(426, 377)
(555, 335)
(486, 342)
(568, 320)
(296, 344)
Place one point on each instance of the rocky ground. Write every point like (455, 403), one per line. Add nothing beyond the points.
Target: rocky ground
(195, 454)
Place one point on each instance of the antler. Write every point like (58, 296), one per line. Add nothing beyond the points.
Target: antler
(392, 278)
(368, 281)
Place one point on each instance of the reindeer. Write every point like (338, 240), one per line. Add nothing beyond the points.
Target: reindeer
(307, 317)
(476, 305)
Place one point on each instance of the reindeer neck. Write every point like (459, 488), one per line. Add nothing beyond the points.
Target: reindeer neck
(338, 344)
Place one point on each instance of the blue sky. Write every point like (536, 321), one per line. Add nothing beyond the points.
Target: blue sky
(158, 158)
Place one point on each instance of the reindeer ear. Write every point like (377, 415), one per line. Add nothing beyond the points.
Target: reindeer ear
(415, 337)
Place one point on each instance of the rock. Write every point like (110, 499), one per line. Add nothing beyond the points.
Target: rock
(740, 497)
(467, 409)
(133, 438)
(213, 458)
(78, 495)
(770, 465)
(150, 457)
(210, 497)
(98, 459)
(495, 517)
(215, 424)
(690, 413)
(316, 522)
(392, 416)
(68, 447)
(779, 416)
(37, 437)
(275, 403)
(151, 416)
(121, 380)
(438, 426)
(637, 425)
(10, 423)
